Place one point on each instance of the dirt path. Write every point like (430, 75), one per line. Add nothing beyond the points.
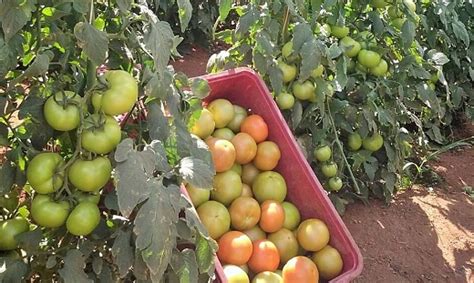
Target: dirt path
(426, 234)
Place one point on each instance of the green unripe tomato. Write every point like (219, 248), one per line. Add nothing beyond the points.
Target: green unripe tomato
(339, 31)
(329, 169)
(83, 219)
(198, 195)
(285, 100)
(103, 137)
(368, 58)
(335, 184)
(322, 153)
(398, 23)
(288, 71)
(318, 72)
(373, 143)
(366, 40)
(223, 133)
(292, 216)
(394, 12)
(287, 49)
(42, 172)
(378, 4)
(303, 91)
(62, 111)
(350, 46)
(410, 5)
(87, 197)
(120, 96)
(48, 213)
(90, 175)
(381, 69)
(9, 229)
(354, 141)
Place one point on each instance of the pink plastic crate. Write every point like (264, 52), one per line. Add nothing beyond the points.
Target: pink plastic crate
(244, 87)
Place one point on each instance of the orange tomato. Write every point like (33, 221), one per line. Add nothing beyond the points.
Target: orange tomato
(300, 269)
(244, 213)
(245, 148)
(265, 257)
(268, 155)
(272, 216)
(255, 126)
(234, 248)
(223, 153)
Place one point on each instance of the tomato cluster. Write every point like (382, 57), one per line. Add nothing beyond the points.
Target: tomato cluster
(87, 172)
(260, 235)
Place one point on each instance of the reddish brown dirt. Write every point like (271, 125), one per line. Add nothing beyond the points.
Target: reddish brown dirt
(193, 63)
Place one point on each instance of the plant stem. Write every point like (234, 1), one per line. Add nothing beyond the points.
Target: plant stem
(339, 144)
(286, 21)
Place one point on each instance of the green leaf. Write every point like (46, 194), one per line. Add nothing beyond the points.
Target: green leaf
(51, 262)
(122, 251)
(185, 266)
(124, 5)
(408, 33)
(159, 41)
(29, 241)
(224, 9)
(12, 270)
(97, 264)
(310, 58)
(14, 15)
(7, 175)
(334, 51)
(157, 241)
(158, 150)
(157, 123)
(341, 74)
(82, 6)
(370, 168)
(185, 11)
(196, 172)
(123, 149)
(246, 21)
(437, 58)
(200, 88)
(93, 42)
(339, 203)
(131, 174)
(205, 253)
(301, 34)
(296, 114)
(276, 77)
(73, 269)
(461, 32)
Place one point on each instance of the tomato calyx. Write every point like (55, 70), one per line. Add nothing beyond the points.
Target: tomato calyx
(94, 122)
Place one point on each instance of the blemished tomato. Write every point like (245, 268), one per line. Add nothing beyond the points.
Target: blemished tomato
(267, 277)
(335, 184)
(300, 269)
(329, 169)
(222, 112)
(239, 115)
(322, 153)
(234, 248)
(49, 213)
(380, 70)
(198, 196)
(245, 148)
(304, 91)
(288, 71)
(249, 173)
(227, 186)
(285, 100)
(244, 213)
(120, 96)
(292, 216)
(90, 175)
(329, 262)
(354, 141)
(90, 197)
(318, 72)
(286, 243)
(9, 229)
(339, 31)
(223, 153)
(62, 111)
(255, 126)
(103, 136)
(267, 156)
(42, 172)
(350, 46)
(204, 126)
(269, 185)
(235, 274)
(373, 143)
(287, 49)
(237, 168)
(246, 191)
(215, 217)
(368, 58)
(83, 219)
(255, 233)
(313, 234)
(265, 257)
(224, 133)
(272, 216)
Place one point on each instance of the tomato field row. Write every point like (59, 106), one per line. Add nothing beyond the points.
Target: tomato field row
(98, 133)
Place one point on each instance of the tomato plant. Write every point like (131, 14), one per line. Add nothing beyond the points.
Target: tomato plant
(92, 153)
